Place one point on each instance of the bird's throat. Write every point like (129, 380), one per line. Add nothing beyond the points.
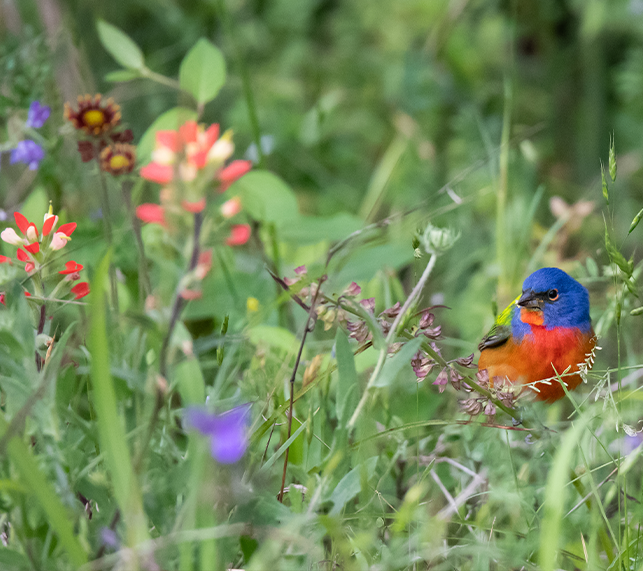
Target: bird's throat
(531, 316)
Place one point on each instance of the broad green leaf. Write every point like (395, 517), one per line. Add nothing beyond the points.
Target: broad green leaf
(111, 429)
(34, 480)
(202, 72)
(121, 47)
(268, 464)
(266, 197)
(190, 382)
(121, 75)
(555, 494)
(36, 206)
(350, 485)
(394, 364)
(172, 119)
(347, 382)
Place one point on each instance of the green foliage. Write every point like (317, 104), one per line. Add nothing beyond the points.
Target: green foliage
(366, 123)
(202, 72)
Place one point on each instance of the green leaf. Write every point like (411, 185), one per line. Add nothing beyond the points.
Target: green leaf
(282, 448)
(276, 337)
(315, 229)
(394, 364)
(202, 72)
(172, 119)
(120, 46)
(36, 205)
(350, 485)
(121, 75)
(555, 494)
(111, 429)
(190, 382)
(32, 478)
(348, 382)
(266, 197)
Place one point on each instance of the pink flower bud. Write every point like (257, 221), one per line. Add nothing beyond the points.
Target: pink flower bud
(231, 207)
(9, 236)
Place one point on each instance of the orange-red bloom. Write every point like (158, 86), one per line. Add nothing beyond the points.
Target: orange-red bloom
(239, 235)
(152, 213)
(71, 267)
(235, 170)
(80, 290)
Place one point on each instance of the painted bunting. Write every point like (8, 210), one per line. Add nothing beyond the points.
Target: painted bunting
(543, 332)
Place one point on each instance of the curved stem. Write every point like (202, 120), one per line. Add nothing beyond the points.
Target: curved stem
(177, 308)
(415, 293)
(179, 302)
(107, 226)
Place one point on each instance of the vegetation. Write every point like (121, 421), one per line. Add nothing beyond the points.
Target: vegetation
(248, 252)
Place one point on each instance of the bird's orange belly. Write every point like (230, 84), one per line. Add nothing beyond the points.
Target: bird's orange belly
(540, 355)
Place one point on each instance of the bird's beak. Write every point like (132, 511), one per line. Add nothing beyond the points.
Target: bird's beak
(530, 299)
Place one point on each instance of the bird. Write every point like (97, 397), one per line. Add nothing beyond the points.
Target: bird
(542, 333)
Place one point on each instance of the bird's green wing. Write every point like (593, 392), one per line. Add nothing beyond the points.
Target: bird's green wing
(501, 329)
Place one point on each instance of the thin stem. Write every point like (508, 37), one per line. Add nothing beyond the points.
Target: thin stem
(177, 308)
(415, 293)
(310, 326)
(245, 81)
(41, 328)
(107, 226)
(145, 288)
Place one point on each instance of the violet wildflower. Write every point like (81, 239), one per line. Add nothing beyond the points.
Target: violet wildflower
(227, 432)
(28, 152)
(38, 115)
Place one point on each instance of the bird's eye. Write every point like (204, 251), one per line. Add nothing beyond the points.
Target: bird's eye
(552, 294)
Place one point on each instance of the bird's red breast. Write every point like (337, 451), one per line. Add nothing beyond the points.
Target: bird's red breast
(539, 355)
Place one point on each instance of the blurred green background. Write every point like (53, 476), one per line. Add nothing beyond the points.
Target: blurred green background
(487, 116)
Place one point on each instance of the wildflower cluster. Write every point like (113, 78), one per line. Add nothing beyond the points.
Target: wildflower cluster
(500, 389)
(188, 162)
(98, 119)
(27, 150)
(35, 249)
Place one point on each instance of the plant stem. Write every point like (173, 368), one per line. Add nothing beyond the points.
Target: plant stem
(415, 293)
(177, 308)
(144, 286)
(107, 227)
(310, 325)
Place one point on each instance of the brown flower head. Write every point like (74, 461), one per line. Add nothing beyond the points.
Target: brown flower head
(94, 116)
(118, 158)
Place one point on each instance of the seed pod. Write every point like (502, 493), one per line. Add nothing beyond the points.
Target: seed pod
(637, 311)
(612, 159)
(636, 221)
(606, 195)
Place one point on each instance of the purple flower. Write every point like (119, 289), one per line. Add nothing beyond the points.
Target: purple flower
(28, 152)
(227, 431)
(38, 115)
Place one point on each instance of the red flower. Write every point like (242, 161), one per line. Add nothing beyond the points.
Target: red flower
(71, 267)
(5, 259)
(2, 298)
(193, 207)
(239, 235)
(152, 213)
(80, 290)
(235, 170)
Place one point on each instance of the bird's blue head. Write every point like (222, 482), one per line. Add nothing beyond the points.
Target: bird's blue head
(551, 298)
